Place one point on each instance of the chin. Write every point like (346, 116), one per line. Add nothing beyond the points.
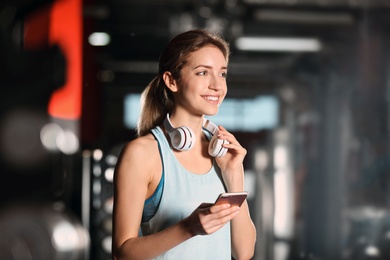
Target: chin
(211, 113)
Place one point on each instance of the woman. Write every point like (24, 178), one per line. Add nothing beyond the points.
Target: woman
(168, 191)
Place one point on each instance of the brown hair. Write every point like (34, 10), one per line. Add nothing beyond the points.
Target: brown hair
(157, 100)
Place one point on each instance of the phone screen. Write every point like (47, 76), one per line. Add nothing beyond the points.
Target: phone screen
(233, 198)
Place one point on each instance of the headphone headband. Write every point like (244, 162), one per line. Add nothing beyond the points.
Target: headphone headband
(168, 125)
(210, 126)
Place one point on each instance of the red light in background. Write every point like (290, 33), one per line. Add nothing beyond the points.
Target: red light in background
(66, 31)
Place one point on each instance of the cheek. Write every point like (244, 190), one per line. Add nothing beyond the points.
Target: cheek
(225, 89)
(222, 98)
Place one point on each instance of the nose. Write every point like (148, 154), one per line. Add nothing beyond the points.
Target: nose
(217, 82)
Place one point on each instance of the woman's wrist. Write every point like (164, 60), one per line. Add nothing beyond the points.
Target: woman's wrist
(234, 184)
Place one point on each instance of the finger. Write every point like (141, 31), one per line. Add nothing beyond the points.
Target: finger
(236, 147)
(222, 210)
(222, 128)
(223, 132)
(218, 208)
(224, 217)
(216, 223)
(228, 137)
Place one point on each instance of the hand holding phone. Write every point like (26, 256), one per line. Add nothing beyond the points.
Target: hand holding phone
(233, 198)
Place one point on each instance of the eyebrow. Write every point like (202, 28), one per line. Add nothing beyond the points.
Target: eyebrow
(208, 67)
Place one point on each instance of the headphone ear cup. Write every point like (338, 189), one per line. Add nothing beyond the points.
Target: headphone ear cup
(182, 138)
(215, 147)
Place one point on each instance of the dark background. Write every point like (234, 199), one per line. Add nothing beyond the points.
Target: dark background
(319, 178)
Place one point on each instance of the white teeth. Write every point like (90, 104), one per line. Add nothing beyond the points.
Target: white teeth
(211, 98)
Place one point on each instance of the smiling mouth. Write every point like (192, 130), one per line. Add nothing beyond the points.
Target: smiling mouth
(211, 98)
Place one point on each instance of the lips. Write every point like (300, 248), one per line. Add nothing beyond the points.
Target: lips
(211, 98)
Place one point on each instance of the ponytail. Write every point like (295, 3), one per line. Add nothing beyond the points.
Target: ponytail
(156, 102)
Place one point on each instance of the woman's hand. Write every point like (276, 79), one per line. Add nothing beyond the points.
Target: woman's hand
(208, 218)
(235, 155)
(231, 164)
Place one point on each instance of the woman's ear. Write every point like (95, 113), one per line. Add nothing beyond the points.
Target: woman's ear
(170, 82)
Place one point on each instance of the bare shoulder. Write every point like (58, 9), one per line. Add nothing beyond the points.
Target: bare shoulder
(142, 149)
(141, 146)
(139, 155)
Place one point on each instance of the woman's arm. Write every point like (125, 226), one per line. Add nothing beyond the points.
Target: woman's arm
(243, 234)
(135, 172)
(137, 169)
(242, 228)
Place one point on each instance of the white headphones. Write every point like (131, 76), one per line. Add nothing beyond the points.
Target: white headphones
(183, 138)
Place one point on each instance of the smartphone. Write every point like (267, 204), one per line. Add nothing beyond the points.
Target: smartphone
(233, 198)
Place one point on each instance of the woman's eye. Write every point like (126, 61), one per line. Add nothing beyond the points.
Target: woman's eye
(224, 74)
(202, 73)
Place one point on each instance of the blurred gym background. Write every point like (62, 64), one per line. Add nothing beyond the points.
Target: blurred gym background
(309, 93)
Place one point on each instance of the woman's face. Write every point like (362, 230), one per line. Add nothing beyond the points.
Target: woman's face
(202, 86)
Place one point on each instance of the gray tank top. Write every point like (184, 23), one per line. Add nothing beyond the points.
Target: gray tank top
(183, 192)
